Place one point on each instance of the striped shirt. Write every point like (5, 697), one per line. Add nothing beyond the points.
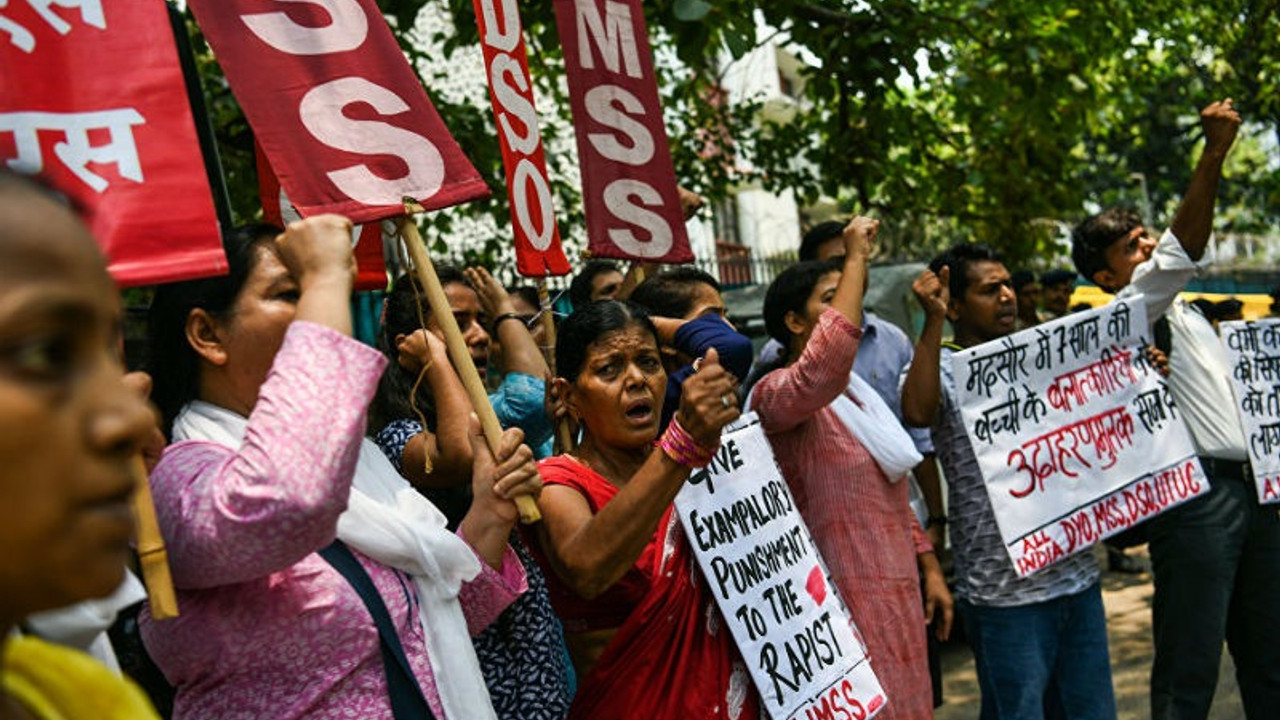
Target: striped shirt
(983, 571)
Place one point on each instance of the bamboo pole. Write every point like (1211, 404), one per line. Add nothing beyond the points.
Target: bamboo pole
(548, 325)
(564, 436)
(152, 557)
(426, 272)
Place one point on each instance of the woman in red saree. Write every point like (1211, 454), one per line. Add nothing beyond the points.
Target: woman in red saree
(640, 621)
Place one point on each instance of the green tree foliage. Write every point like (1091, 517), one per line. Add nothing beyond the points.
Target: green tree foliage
(991, 120)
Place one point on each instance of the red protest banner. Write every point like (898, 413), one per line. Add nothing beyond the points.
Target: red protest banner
(371, 271)
(538, 249)
(92, 98)
(335, 105)
(628, 184)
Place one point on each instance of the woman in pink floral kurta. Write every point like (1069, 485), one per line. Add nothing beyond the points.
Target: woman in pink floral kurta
(268, 629)
(861, 522)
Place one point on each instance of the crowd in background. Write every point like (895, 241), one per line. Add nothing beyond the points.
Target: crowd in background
(345, 543)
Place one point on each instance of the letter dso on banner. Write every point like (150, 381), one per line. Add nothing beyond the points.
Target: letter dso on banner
(334, 104)
(537, 239)
(628, 182)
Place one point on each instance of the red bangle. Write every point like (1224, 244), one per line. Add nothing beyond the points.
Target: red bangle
(681, 447)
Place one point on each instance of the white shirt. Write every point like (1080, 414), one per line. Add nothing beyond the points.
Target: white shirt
(1199, 374)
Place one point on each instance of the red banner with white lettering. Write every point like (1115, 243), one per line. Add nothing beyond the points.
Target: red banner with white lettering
(332, 100)
(92, 99)
(628, 183)
(371, 269)
(506, 62)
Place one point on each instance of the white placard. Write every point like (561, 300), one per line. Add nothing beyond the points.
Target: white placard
(1076, 434)
(1253, 348)
(772, 587)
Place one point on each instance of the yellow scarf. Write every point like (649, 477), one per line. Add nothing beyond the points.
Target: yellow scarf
(57, 683)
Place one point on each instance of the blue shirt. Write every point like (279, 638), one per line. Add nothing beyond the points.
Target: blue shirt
(518, 402)
(694, 339)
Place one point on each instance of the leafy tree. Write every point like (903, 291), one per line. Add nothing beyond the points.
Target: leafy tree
(992, 120)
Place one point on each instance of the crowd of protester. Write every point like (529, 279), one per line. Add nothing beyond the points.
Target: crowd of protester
(345, 544)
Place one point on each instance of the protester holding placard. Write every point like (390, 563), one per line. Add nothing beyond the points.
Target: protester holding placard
(1040, 642)
(71, 427)
(856, 510)
(276, 614)
(1216, 559)
(641, 624)
(522, 655)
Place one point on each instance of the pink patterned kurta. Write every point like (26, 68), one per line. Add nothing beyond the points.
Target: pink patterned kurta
(268, 629)
(861, 522)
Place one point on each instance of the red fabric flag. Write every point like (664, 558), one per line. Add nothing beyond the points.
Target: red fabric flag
(333, 102)
(371, 271)
(506, 62)
(628, 183)
(92, 99)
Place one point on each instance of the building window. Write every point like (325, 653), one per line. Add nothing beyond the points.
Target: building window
(725, 219)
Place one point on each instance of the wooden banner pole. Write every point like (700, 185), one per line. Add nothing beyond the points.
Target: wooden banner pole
(458, 352)
(564, 436)
(548, 325)
(152, 557)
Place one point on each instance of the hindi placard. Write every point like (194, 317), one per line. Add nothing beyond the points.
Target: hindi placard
(1253, 349)
(793, 629)
(92, 99)
(1076, 434)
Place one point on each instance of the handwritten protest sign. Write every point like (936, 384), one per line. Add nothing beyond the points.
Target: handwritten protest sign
(1254, 351)
(1076, 434)
(772, 587)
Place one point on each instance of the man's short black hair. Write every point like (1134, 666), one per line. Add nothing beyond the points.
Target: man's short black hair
(1092, 237)
(1057, 277)
(1227, 309)
(580, 288)
(1021, 279)
(816, 236)
(959, 258)
(671, 293)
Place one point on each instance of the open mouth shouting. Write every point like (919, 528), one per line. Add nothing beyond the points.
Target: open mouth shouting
(640, 411)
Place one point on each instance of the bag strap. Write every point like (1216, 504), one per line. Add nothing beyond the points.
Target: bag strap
(407, 700)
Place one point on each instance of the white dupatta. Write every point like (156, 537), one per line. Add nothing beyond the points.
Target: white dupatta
(870, 420)
(389, 521)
